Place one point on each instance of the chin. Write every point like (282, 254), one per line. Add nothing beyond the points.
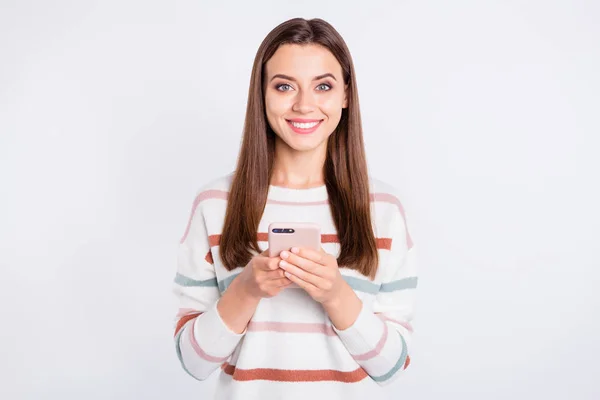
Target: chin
(302, 143)
(302, 147)
(299, 146)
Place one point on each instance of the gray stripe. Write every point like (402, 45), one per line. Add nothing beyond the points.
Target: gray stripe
(358, 284)
(185, 281)
(398, 365)
(406, 283)
(178, 350)
(361, 285)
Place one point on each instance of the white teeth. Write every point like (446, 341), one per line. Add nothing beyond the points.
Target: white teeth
(305, 126)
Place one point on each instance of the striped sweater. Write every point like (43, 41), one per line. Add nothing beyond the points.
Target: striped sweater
(290, 349)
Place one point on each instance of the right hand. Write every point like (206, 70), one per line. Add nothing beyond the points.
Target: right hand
(262, 277)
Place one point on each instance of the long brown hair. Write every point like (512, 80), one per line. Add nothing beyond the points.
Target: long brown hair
(345, 167)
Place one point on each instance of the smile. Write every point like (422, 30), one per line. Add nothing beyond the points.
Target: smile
(304, 127)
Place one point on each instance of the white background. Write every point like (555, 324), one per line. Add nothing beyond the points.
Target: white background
(485, 114)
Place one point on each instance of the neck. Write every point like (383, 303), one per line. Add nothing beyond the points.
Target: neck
(298, 169)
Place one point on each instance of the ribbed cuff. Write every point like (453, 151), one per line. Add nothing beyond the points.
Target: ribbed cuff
(214, 335)
(362, 336)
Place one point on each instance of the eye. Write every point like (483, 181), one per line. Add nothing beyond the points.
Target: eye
(326, 85)
(278, 87)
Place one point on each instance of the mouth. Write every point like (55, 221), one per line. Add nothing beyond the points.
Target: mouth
(304, 127)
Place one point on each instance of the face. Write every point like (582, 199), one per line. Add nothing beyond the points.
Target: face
(304, 96)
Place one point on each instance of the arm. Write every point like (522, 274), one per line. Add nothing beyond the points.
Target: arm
(378, 336)
(209, 326)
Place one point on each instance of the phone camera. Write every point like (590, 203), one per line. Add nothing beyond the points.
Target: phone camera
(279, 230)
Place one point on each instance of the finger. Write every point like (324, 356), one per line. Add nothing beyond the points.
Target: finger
(266, 263)
(301, 273)
(305, 264)
(309, 287)
(318, 257)
(273, 263)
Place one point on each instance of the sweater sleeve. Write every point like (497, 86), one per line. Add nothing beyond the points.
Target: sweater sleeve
(202, 339)
(379, 340)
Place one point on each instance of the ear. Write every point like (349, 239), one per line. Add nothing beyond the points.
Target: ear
(345, 105)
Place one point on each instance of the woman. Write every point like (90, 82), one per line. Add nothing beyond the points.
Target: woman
(345, 328)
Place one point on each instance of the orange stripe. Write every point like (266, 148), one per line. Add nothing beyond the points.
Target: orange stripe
(213, 240)
(329, 238)
(209, 258)
(389, 198)
(183, 320)
(293, 375)
(222, 194)
(262, 236)
(407, 362)
(382, 243)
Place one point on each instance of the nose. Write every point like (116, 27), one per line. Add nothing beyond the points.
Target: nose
(304, 103)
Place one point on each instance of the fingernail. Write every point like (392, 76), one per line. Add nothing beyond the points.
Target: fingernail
(282, 264)
(284, 254)
(294, 250)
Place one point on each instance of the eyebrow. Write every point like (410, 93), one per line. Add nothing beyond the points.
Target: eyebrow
(316, 78)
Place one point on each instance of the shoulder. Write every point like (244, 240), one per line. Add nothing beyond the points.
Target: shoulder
(384, 191)
(221, 183)
(216, 188)
(212, 194)
(388, 206)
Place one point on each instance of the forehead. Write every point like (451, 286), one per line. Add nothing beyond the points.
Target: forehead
(303, 62)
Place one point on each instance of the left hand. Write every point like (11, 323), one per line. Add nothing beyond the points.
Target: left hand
(316, 272)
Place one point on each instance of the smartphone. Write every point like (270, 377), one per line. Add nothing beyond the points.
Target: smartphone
(285, 235)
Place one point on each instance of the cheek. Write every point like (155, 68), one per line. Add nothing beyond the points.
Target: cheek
(333, 110)
(331, 105)
(276, 105)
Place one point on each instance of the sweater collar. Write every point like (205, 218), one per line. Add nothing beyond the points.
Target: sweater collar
(280, 193)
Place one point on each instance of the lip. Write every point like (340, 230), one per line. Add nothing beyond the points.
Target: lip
(304, 131)
(304, 120)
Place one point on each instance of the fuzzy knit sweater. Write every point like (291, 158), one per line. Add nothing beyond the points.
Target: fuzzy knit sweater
(290, 349)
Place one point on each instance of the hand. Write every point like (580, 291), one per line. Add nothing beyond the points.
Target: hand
(317, 272)
(262, 278)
